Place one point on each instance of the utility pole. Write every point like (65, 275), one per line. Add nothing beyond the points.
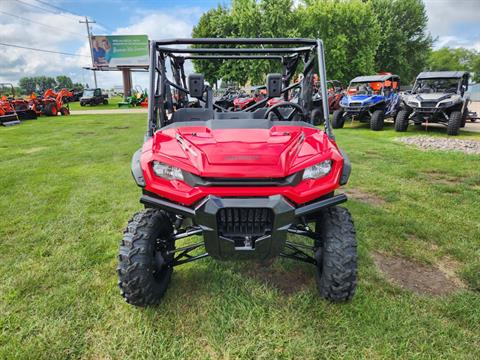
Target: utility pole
(87, 22)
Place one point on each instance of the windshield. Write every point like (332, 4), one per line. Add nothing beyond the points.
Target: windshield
(88, 92)
(428, 86)
(365, 88)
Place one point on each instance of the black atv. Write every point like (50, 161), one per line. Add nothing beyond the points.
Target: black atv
(437, 97)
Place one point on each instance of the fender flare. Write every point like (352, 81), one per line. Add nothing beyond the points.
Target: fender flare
(137, 169)
(346, 169)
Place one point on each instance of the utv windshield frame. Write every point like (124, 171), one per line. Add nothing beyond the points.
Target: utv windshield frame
(289, 52)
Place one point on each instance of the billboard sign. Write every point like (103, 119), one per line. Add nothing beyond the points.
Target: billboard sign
(112, 51)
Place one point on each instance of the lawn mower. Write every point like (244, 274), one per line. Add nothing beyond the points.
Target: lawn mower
(369, 99)
(437, 97)
(253, 184)
(138, 98)
(51, 103)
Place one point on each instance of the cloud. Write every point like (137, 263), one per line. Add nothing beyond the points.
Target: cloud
(454, 22)
(63, 31)
(70, 37)
(159, 25)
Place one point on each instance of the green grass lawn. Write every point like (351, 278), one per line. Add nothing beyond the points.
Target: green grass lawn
(67, 193)
(112, 104)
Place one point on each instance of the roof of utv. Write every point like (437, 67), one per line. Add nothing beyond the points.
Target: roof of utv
(170, 87)
(373, 78)
(441, 75)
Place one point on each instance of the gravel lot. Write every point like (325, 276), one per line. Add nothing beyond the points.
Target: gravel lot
(442, 144)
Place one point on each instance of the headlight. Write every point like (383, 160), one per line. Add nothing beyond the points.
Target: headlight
(167, 172)
(446, 103)
(317, 171)
(412, 103)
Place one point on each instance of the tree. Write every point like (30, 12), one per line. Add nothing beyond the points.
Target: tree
(349, 30)
(64, 81)
(78, 86)
(249, 19)
(214, 23)
(455, 59)
(405, 44)
(36, 84)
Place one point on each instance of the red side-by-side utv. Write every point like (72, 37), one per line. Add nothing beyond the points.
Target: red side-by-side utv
(252, 184)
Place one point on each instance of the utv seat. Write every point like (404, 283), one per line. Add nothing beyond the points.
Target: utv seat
(192, 114)
(233, 115)
(257, 114)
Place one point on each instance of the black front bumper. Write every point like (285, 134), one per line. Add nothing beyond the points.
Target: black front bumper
(243, 228)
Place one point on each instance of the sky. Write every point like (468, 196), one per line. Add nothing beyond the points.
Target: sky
(54, 25)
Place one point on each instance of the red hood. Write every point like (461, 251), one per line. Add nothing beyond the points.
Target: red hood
(242, 100)
(247, 153)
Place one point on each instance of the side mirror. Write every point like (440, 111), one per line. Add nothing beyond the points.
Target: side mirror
(196, 84)
(274, 85)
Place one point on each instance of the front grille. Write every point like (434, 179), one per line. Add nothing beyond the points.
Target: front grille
(355, 109)
(355, 104)
(244, 222)
(429, 104)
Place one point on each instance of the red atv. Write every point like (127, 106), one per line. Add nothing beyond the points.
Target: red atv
(51, 103)
(243, 101)
(335, 93)
(242, 180)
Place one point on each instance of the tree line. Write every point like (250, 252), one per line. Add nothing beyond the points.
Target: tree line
(360, 37)
(39, 84)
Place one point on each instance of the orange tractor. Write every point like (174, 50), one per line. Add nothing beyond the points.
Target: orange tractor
(51, 103)
(13, 110)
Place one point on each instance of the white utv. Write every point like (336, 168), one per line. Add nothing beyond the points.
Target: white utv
(436, 97)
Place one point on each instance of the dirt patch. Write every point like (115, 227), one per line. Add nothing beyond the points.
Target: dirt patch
(287, 282)
(365, 197)
(120, 127)
(85, 133)
(419, 278)
(442, 178)
(34, 150)
(442, 144)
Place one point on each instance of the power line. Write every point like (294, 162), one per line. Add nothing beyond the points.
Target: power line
(61, 14)
(58, 8)
(69, 11)
(43, 50)
(40, 8)
(39, 23)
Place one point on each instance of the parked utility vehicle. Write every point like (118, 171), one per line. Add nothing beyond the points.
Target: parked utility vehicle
(243, 180)
(369, 99)
(437, 97)
(93, 97)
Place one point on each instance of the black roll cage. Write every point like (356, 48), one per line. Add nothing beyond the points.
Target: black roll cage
(289, 51)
